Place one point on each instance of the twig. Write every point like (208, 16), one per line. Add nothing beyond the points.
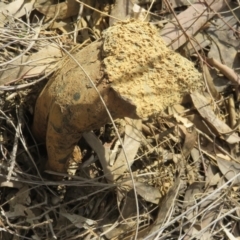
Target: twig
(148, 11)
(95, 9)
(219, 15)
(220, 148)
(38, 29)
(225, 70)
(14, 153)
(209, 196)
(26, 149)
(50, 226)
(201, 155)
(32, 226)
(79, 17)
(22, 86)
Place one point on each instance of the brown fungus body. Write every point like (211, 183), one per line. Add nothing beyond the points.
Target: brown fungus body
(141, 77)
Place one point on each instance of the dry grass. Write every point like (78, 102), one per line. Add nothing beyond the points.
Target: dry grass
(185, 176)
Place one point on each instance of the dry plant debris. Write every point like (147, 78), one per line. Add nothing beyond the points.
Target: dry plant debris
(141, 70)
(181, 180)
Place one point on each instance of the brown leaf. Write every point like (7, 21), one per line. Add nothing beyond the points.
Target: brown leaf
(177, 4)
(147, 192)
(44, 61)
(120, 11)
(229, 169)
(200, 41)
(61, 10)
(213, 176)
(189, 139)
(220, 128)
(191, 20)
(79, 221)
(209, 82)
(225, 44)
(16, 8)
(113, 168)
(166, 204)
(190, 198)
(187, 129)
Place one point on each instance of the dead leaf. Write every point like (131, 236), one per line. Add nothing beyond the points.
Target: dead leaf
(131, 143)
(209, 82)
(224, 45)
(190, 137)
(61, 10)
(79, 221)
(195, 154)
(17, 211)
(16, 8)
(127, 211)
(114, 165)
(139, 13)
(219, 127)
(187, 124)
(229, 169)
(193, 193)
(165, 206)
(187, 130)
(229, 234)
(177, 4)
(212, 176)
(147, 192)
(200, 41)
(42, 62)
(191, 20)
(21, 197)
(120, 11)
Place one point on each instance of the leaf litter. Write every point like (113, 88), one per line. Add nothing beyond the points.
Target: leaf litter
(182, 177)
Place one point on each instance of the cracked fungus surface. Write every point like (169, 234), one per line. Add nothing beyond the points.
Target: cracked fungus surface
(143, 70)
